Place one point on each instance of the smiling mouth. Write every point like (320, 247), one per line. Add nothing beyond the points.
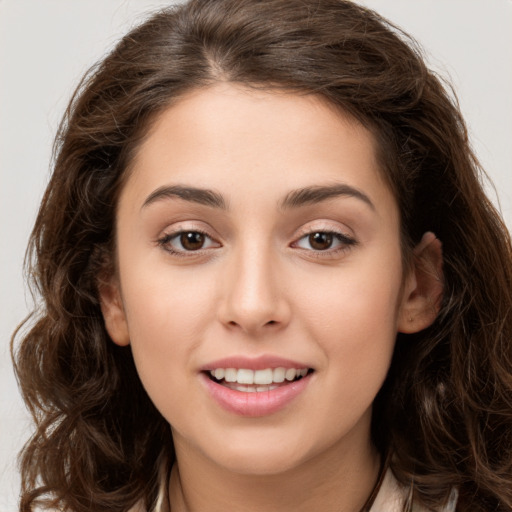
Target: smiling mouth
(257, 381)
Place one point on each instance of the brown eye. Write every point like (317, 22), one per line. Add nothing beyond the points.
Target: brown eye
(192, 240)
(320, 241)
(182, 243)
(328, 242)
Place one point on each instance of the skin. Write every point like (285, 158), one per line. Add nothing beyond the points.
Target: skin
(258, 287)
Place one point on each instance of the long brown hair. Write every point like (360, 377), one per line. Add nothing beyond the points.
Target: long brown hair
(445, 411)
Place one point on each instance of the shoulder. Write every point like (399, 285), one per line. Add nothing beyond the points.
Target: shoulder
(392, 497)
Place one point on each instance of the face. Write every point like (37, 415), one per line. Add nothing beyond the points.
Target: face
(260, 282)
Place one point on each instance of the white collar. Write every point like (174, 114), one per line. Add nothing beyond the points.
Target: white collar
(392, 497)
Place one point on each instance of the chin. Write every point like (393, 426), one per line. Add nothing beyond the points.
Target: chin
(259, 456)
(260, 465)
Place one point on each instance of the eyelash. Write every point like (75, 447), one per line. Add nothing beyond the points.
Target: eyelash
(166, 239)
(346, 242)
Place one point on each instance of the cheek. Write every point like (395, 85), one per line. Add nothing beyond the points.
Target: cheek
(167, 315)
(162, 303)
(353, 300)
(352, 315)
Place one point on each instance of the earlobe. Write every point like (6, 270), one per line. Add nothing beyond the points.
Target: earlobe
(423, 289)
(112, 308)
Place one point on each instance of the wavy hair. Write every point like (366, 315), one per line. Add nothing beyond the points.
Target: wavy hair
(445, 411)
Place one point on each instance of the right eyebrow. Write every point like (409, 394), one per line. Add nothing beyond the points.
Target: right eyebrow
(187, 193)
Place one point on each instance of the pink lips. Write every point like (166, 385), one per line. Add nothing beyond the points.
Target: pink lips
(257, 363)
(258, 403)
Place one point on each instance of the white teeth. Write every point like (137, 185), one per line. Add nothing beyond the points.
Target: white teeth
(219, 373)
(265, 388)
(290, 374)
(251, 389)
(245, 376)
(263, 378)
(278, 375)
(246, 389)
(230, 375)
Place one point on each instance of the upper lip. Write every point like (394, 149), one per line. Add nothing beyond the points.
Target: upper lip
(253, 363)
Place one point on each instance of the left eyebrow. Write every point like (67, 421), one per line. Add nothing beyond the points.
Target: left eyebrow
(317, 194)
(191, 194)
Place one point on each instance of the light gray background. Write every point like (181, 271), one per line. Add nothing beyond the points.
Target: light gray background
(46, 45)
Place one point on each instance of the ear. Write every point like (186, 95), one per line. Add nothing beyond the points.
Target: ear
(423, 289)
(112, 308)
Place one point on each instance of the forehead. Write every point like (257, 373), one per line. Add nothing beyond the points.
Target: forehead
(270, 117)
(267, 140)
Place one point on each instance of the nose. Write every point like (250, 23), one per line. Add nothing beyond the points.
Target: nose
(254, 297)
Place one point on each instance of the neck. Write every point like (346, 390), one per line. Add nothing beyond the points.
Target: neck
(340, 479)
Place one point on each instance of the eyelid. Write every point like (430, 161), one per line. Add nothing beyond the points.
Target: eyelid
(323, 226)
(175, 231)
(347, 240)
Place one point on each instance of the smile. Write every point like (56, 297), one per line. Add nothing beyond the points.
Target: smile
(254, 381)
(264, 390)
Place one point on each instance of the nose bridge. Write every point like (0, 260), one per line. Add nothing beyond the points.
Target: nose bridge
(254, 294)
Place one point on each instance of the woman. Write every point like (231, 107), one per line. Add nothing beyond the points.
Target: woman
(271, 278)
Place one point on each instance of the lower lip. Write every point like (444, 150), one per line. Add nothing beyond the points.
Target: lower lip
(259, 403)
